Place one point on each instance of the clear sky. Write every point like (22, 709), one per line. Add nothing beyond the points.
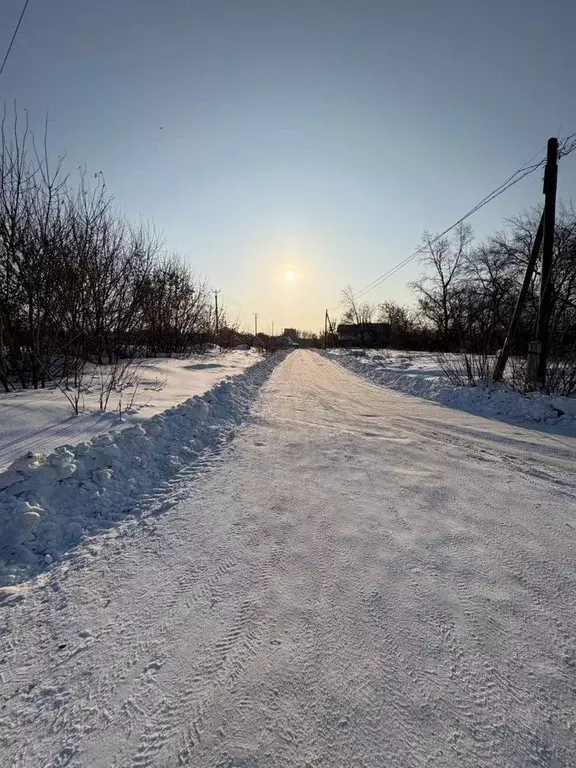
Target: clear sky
(321, 136)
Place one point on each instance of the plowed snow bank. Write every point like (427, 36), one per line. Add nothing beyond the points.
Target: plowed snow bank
(418, 374)
(40, 420)
(49, 503)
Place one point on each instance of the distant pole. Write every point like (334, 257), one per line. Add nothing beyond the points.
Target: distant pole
(272, 328)
(545, 312)
(326, 329)
(216, 315)
(505, 352)
(332, 332)
(255, 323)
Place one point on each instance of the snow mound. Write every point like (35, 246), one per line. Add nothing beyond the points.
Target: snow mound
(39, 420)
(416, 374)
(49, 503)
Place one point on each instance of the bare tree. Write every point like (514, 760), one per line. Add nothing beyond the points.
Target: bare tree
(356, 313)
(78, 283)
(438, 292)
(406, 331)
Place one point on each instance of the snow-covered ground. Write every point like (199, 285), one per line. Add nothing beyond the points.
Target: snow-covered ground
(359, 578)
(419, 374)
(49, 503)
(41, 420)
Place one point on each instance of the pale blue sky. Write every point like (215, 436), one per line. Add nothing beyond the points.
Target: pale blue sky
(262, 135)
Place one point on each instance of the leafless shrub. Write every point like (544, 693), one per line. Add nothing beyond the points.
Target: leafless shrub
(73, 392)
(561, 373)
(466, 369)
(137, 383)
(515, 375)
(117, 378)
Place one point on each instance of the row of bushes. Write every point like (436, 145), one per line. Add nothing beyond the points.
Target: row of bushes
(77, 281)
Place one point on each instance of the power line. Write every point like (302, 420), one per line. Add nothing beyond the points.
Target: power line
(471, 212)
(14, 36)
(568, 145)
(499, 190)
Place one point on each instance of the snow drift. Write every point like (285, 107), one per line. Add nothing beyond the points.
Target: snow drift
(49, 503)
(39, 420)
(417, 374)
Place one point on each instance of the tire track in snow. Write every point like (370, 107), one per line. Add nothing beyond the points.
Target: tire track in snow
(500, 686)
(130, 672)
(203, 721)
(545, 479)
(190, 596)
(220, 667)
(386, 696)
(474, 687)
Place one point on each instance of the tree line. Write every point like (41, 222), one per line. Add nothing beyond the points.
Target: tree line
(78, 282)
(467, 293)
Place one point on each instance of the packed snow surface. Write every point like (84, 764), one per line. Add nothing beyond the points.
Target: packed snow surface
(418, 373)
(41, 420)
(359, 578)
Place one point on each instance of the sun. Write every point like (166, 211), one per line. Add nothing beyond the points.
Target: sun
(289, 275)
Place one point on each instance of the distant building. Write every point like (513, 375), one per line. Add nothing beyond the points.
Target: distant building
(265, 343)
(364, 334)
(291, 333)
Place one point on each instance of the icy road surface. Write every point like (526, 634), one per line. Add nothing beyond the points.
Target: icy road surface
(361, 579)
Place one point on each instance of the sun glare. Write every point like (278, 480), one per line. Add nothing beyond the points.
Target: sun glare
(289, 275)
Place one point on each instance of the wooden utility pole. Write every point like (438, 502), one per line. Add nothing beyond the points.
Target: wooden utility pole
(326, 330)
(255, 323)
(505, 352)
(545, 312)
(334, 334)
(272, 328)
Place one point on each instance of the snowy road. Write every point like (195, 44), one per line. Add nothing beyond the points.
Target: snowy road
(360, 579)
